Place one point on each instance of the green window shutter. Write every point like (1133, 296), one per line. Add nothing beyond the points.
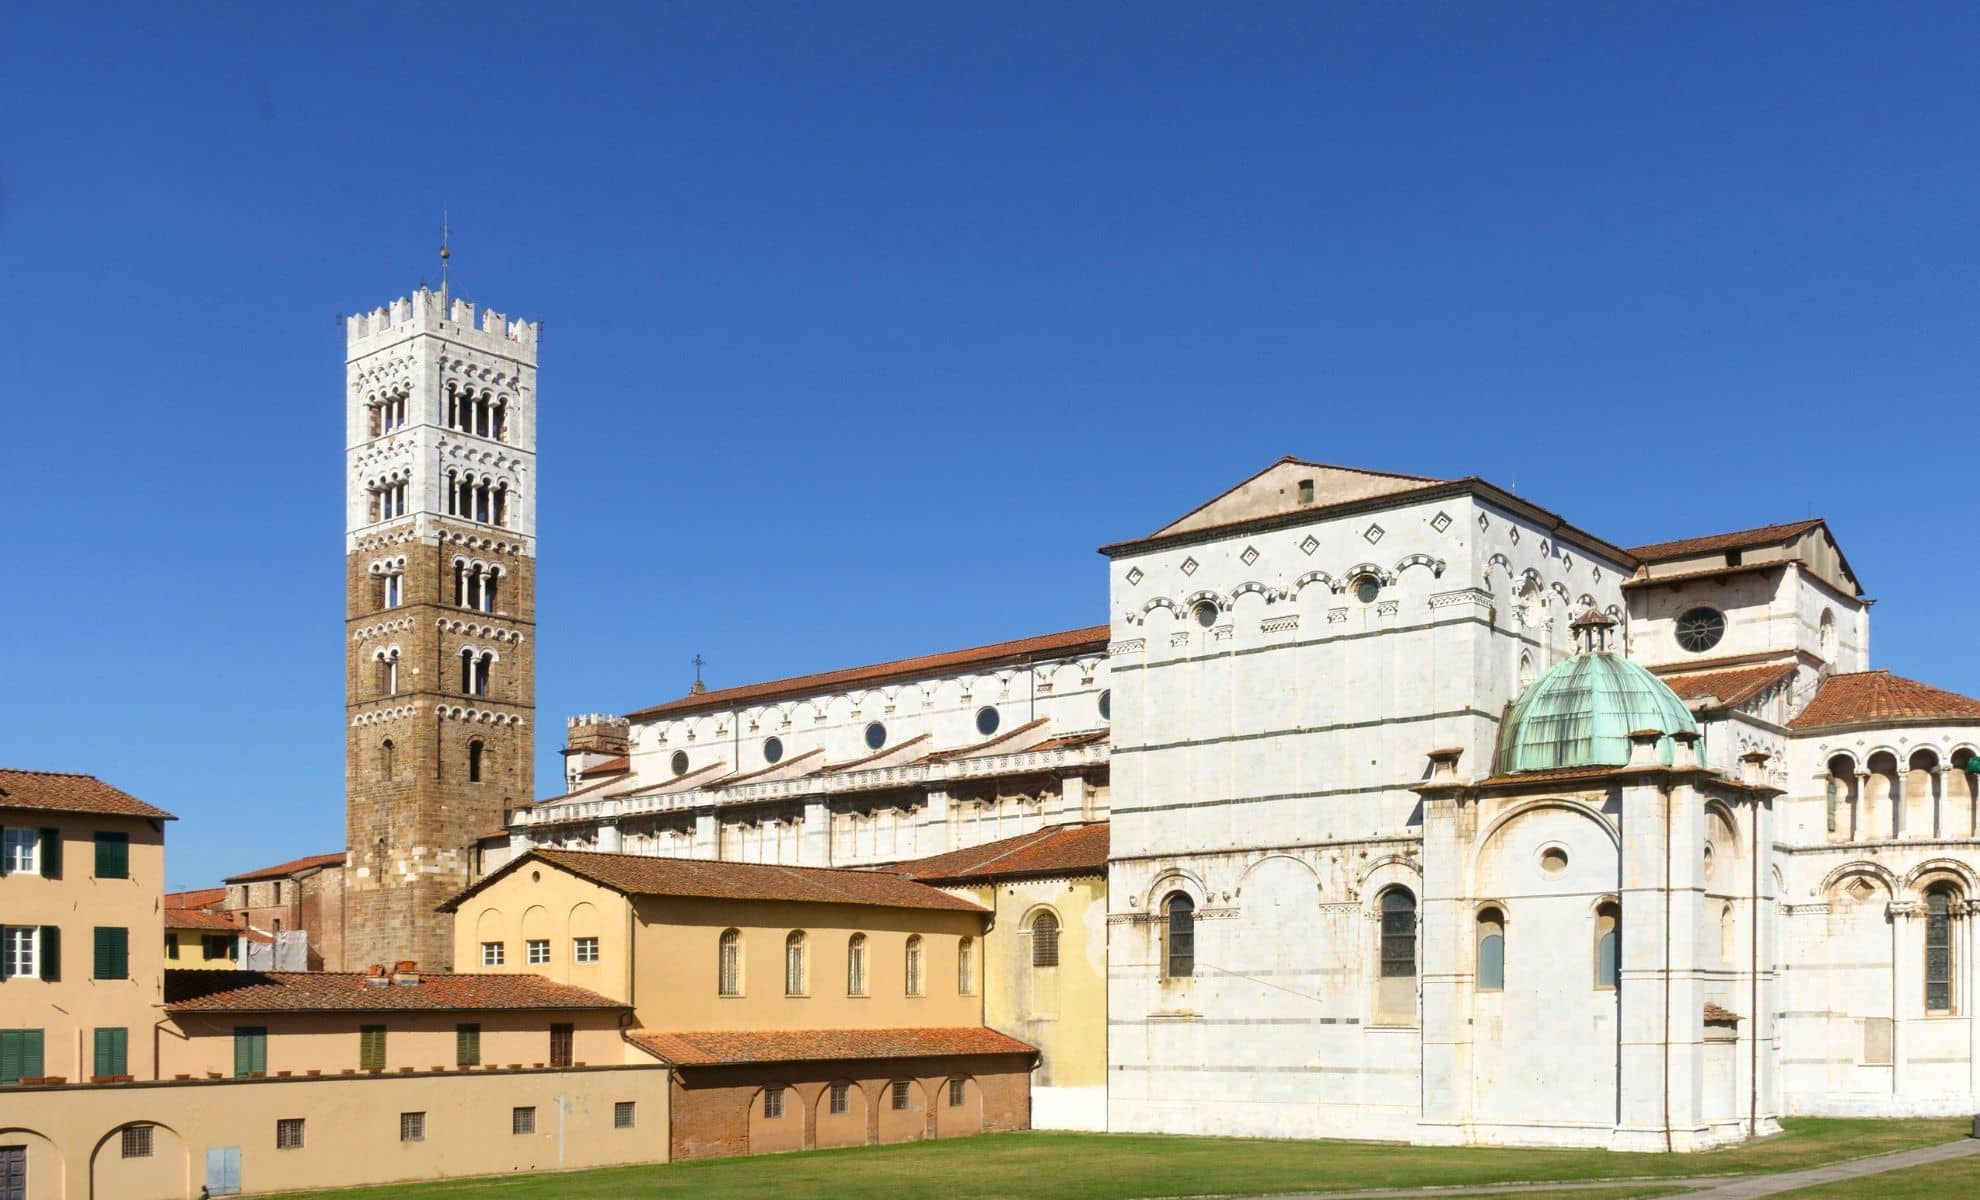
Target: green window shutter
(113, 856)
(250, 1050)
(51, 853)
(51, 953)
(371, 1047)
(112, 1052)
(10, 1055)
(171, 945)
(31, 1065)
(467, 1045)
(3, 857)
(113, 952)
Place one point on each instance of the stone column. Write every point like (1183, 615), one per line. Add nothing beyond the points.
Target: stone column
(707, 835)
(1072, 797)
(815, 835)
(1447, 971)
(1685, 1018)
(1644, 1018)
(1907, 990)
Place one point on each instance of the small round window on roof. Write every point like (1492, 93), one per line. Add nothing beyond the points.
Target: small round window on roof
(986, 720)
(1367, 588)
(876, 736)
(1205, 613)
(773, 749)
(1107, 705)
(1699, 629)
(679, 762)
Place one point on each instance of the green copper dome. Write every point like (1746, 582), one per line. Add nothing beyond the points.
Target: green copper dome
(1582, 711)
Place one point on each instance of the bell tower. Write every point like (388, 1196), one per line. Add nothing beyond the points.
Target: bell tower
(440, 629)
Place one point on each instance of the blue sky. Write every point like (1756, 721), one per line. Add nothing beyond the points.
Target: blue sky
(865, 324)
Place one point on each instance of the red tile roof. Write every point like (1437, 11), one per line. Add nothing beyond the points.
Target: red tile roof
(639, 875)
(1729, 689)
(1061, 850)
(336, 991)
(1765, 535)
(1557, 775)
(292, 867)
(1014, 733)
(61, 791)
(1714, 1015)
(1071, 741)
(1878, 697)
(702, 1048)
(1092, 639)
(199, 918)
(610, 766)
(200, 898)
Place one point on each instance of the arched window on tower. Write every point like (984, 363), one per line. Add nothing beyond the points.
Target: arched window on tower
(502, 419)
(1179, 940)
(394, 589)
(385, 758)
(1491, 950)
(460, 584)
(467, 671)
(476, 752)
(1608, 944)
(388, 673)
(501, 506)
(484, 665)
(1939, 950)
(488, 589)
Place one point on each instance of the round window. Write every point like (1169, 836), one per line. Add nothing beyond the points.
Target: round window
(679, 762)
(1205, 614)
(1700, 629)
(1107, 705)
(1367, 588)
(986, 721)
(1553, 860)
(773, 749)
(876, 736)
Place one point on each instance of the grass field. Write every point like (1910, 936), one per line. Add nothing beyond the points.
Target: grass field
(1939, 1181)
(1071, 1166)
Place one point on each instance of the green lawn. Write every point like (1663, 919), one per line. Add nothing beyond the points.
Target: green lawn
(1959, 1177)
(1072, 1166)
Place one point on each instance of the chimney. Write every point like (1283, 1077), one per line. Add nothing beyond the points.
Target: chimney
(1643, 747)
(1753, 768)
(1686, 758)
(1443, 764)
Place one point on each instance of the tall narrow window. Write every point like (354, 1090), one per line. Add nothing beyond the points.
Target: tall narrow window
(562, 1044)
(113, 856)
(794, 981)
(395, 590)
(1491, 950)
(474, 762)
(773, 1102)
(729, 963)
(1179, 921)
(966, 966)
(250, 1050)
(856, 965)
(460, 584)
(488, 590)
(1398, 933)
(1938, 951)
(467, 1045)
(1045, 940)
(483, 667)
(467, 671)
(1608, 944)
(914, 965)
(385, 758)
(371, 1047)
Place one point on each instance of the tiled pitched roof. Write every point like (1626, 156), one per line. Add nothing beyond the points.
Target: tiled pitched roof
(639, 875)
(1870, 697)
(1073, 641)
(702, 1048)
(611, 766)
(1730, 688)
(199, 898)
(1557, 775)
(293, 866)
(1071, 741)
(1714, 1015)
(1765, 535)
(337, 991)
(1061, 850)
(199, 918)
(61, 791)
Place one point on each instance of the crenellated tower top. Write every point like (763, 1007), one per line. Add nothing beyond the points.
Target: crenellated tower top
(428, 311)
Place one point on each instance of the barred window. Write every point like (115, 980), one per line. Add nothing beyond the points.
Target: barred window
(900, 1094)
(1938, 951)
(289, 1133)
(914, 965)
(1398, 933)
(729, 963)
(773, 1102)
(856, 965)
(794, 979)
(1045, 940)
(966, 966)
(958, 1093)
(622, 1115)
(522, 1119)
(412, 1127)
(1179, 913)
(137, 1141)
(841, 1099)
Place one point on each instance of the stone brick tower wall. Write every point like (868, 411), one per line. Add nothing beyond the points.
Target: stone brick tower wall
(440, 675)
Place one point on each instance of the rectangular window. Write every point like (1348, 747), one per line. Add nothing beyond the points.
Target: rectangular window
(18, 944)
(113, 952)
(491, 954)
(560, 1045)
(250, 1050)
(412, 1127)
(371, 1047)
(172, 946)
(20, 1055)
(17, 852)
(773, 1102)
(522, 1120)
(900, 1091)
(113, 856)
(958, 1093)
(289, 1133)
(215, 945)
(539, 951)
(587, 949)
(112, 1052)
(841, 1098)
(467, 1045)
(137, 1141)
(622, 1115)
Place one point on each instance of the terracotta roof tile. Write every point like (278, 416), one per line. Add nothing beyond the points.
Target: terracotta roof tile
(1557, 775)
(640, 875)
(61, 791)
(1871, 697)
(611, 766)
(1073, 641)
(1014, 733)
(200, 918)
(336, 991)
(292, 867)
(1071, 741)
(1714, 1015)
(200, 898)
(1061, 850)
(1729, 689)
(1765, 535)
(702, 1048)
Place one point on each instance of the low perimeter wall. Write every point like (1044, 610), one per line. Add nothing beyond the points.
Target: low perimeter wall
(75, 1145)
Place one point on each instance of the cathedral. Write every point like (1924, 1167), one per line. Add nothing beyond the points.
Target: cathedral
(1414, 811)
